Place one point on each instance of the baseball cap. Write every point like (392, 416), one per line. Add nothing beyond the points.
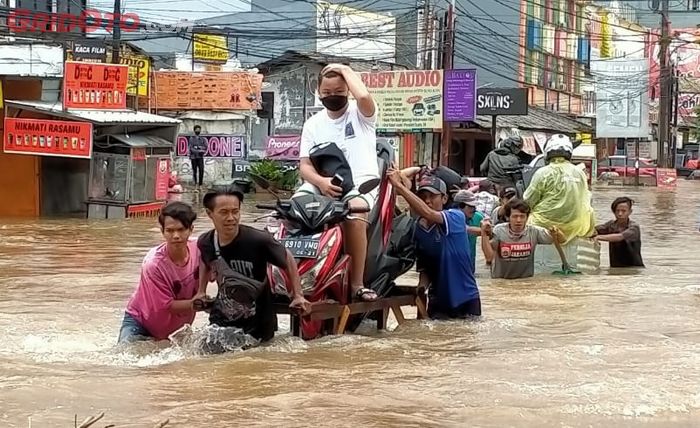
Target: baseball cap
(508, 192)
(465, 197)
(433, 185)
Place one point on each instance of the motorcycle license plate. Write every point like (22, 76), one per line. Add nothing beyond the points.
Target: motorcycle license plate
(302, 248)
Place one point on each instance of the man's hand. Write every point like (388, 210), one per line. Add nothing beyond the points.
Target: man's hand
(556, 234)
(300, 302)
(329, 189)
(395, 178)
(338, 68)
(486, 227)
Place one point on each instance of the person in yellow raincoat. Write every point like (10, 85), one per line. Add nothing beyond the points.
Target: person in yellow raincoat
(558, 193)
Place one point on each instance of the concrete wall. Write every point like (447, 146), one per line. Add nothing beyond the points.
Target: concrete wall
(214, 169)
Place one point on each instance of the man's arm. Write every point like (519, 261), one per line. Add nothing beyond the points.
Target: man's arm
(204, 273)
(365, 103)
(484, 167)
(293, 273)
(631, 234)
(308, 172)
(414, 201)
(487, 245)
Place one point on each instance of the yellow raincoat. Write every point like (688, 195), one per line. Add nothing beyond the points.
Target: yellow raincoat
(558, 195)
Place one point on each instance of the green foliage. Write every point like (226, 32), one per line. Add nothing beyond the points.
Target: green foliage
(275, 173)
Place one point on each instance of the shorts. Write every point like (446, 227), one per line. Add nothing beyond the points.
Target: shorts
(369, 198)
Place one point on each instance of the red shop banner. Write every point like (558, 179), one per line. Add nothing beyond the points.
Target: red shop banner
(95, 86)
(48, 138)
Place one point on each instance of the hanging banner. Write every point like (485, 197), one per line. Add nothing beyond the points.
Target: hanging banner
(95, 86)
(48, 138)
(162, 179)
(218, 146)
(283, 147)
(210, 48)
(460, 95)
(407, 100)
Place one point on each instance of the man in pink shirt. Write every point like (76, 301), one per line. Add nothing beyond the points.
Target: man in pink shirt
(163, 300)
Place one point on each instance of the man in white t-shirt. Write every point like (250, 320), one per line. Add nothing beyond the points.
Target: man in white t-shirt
(351, 126)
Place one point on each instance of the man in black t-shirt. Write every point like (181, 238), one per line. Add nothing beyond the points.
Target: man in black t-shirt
(246, 251)
(623, 235)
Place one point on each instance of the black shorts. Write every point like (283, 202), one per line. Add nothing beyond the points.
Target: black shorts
(471, 308)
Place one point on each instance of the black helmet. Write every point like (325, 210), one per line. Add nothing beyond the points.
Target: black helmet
(514, 144)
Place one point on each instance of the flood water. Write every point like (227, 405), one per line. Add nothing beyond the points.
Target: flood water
(617, 349)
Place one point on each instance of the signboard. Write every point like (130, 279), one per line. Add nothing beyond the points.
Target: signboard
(184, 90)
(666, 178)
(502, 101)
(622, 99)
(94, 86)
(460, 95)
(210, 48)
(138, 75)
(90, 51)
(283, 147)
(218, 146)
(162, 179)
(48, 138)
(407, 100)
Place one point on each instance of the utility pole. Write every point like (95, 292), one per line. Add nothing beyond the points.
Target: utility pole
(665, 88)
(447, 63)
(116, 31)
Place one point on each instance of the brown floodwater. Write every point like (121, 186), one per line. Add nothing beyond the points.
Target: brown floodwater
(617, 349)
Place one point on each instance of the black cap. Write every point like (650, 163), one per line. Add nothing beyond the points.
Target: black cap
(508, 192)
(433, 185)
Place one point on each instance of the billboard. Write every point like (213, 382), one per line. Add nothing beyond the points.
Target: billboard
(210, 48)
(218, 146)
(622, 99)
(460, 95)
(283, 147)
(341, 29)
(407, 100)
(502, 101)
(228, 90)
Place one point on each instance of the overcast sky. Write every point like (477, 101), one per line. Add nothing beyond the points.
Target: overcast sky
(169, 11)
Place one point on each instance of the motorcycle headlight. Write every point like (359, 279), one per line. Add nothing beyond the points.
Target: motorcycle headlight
(308, 280)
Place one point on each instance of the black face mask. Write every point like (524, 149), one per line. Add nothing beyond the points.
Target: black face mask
(196, 132)
(335, 102)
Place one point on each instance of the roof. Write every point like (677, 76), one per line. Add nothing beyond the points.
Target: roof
(100, 117)
(292, 57)
(137, 140)
(537, 119)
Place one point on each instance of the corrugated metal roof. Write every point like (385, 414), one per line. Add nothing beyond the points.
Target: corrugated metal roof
(537, 119)
(138, 140)
(103, 117)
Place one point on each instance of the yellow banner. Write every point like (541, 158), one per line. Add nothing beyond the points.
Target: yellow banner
(210, 48)
(585, 138)
(606, 48)
(407, 100)
(139, 73)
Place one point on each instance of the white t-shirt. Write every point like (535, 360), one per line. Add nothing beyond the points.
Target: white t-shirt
(353, 133)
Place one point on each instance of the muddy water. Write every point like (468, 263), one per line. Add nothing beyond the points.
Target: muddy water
(618, 349)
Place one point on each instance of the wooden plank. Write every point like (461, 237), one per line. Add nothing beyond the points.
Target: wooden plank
(343, 321)
(398, 314)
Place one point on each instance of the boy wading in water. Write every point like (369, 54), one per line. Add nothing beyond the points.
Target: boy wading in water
(623, 235)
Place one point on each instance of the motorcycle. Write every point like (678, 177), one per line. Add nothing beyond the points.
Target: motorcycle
(310, 230)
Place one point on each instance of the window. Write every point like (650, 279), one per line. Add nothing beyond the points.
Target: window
(571, 14)
(530, 8)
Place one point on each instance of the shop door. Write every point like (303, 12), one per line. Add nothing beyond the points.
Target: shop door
(64, 186)
(19, 185)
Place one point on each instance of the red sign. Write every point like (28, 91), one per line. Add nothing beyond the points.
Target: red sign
(95, 86)
(48, 138)
(666, 178)
(162, 178)
(283, 147)
(89, 21)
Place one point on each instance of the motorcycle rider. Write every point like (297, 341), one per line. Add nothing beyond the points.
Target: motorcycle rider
(351, 125)
(558, 192)
(502, 163)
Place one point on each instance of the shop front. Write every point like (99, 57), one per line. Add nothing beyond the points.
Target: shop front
(89, 163)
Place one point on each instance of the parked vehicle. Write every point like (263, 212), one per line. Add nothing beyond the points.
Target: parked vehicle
(310, 230)
(625, 167)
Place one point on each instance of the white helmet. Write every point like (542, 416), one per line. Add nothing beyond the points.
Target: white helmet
(558, 145)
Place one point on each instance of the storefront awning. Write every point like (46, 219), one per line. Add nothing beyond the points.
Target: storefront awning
(142, 141)
(97, 117)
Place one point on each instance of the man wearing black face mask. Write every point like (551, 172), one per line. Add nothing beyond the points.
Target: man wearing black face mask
(198, 147)
(351, 125)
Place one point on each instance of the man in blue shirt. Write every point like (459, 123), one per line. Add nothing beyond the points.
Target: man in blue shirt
(442, 247)
(466, 202)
